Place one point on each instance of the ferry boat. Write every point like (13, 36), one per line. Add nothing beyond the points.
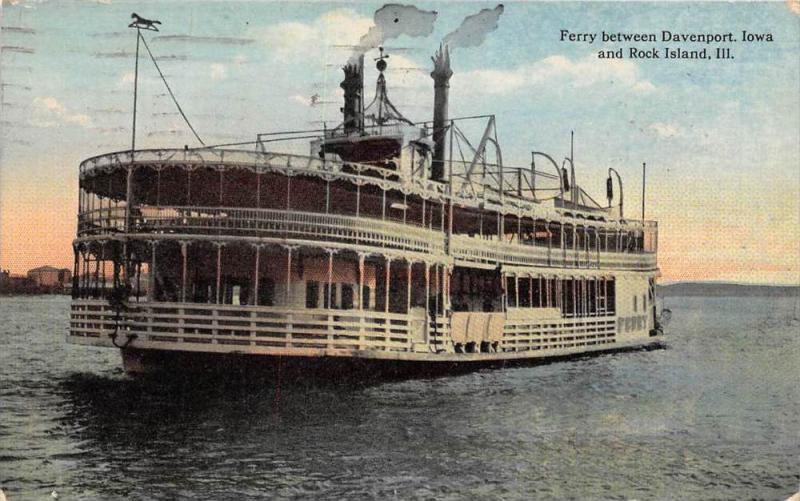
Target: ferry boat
(391, 247)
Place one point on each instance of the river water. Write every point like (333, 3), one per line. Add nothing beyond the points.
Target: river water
(714, 416)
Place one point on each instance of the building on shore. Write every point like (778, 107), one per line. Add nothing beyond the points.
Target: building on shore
(48, 276)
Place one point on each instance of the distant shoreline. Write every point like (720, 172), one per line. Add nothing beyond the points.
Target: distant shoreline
(721, 289)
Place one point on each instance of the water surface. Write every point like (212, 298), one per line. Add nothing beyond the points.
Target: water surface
(714, 416)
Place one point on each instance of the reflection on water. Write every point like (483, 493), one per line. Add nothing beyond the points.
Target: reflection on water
(713, 417)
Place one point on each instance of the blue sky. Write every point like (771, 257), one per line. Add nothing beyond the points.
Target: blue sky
(721, 138)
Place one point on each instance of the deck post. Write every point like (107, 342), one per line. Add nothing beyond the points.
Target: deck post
(288, 275)
(330, 277)
(361, 257)
(427, 300)
(388, 279)
(219, 271)
(331, 296)
(258, 190)
(383, 200)
(327, 196)
(158, 188)
(256, 273)
(575, 245)
(188, 187)
(151, 275)
(97, 272)
(410, 264)
(220, 187)
(358, 199)
(184, 254)
(446, 271)
(436, 287)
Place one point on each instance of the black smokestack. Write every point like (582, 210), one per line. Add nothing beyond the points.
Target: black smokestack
(353, 85)
(441, 84)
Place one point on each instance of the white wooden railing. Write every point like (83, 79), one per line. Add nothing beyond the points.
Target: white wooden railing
(523, 334)
(229, 157)
(477, 250)
(204, 327)
(265, 222)
(157, 324)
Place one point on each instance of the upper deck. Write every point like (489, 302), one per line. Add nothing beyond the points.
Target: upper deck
(229, 195)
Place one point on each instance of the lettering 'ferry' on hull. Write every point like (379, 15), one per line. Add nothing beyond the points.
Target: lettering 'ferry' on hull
(394, 247)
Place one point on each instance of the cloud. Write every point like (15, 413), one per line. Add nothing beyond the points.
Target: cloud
(218, 71)
(665, 130)
(48, 110)
(297, 98)
(341, 27)
(559, 70)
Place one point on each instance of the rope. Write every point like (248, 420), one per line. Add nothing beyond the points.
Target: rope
(170, 90)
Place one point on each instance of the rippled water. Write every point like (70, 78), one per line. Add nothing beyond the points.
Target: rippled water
(714, 416)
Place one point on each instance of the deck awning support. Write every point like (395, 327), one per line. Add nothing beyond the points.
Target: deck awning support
(151, 279)
(256, 272)
(184, 255)
(361, 257)
(331, 295)
(219, 246)
(388, 278)
(408, 286)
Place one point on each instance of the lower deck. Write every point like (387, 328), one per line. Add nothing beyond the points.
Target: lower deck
(472, 338)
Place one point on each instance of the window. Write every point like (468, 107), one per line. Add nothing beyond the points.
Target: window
(347, 297)
(524, 292)
(312, 294)
(266, 292)
(511, 292)
(365, 292)
(611, 296)
(635, 309)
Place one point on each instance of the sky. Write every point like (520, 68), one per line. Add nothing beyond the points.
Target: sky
(721, 138)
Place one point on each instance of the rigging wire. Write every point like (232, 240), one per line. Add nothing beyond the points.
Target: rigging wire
(180, 110)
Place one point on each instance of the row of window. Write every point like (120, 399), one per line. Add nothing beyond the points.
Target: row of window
(579, 297)
(335, 295)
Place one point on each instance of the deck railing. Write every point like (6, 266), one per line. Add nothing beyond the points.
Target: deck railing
(185, 324)
(478, 250)
(265, 222)
(235, 158)
(350, 229)
(530, 335)
(207, 327)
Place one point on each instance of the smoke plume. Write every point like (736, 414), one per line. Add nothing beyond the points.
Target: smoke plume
(474, 28)
(391, 21)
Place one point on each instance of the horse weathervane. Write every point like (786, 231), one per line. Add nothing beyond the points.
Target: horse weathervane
(144, 24)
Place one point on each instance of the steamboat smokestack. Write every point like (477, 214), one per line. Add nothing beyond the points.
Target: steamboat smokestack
(441, 84)
(353, 85)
